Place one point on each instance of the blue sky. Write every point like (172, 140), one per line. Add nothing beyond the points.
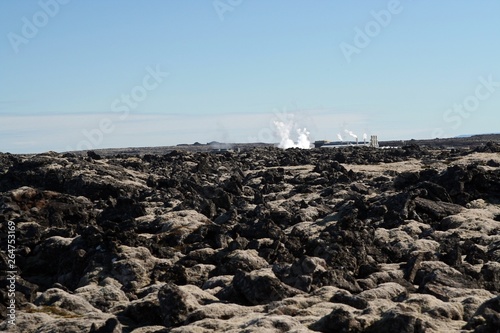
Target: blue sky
(224, 70)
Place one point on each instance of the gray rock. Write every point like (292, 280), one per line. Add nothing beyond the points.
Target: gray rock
(104, 296)
(339, 320)
(61, 299)
(487, 317)
(175, 305)
(145, 311)
(402, 322)
(261, 286)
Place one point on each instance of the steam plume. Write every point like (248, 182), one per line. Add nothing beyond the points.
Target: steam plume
(284, 130)
(351, 134)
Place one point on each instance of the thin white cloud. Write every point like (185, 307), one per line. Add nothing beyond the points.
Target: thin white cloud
(29, 134)
(38, 133)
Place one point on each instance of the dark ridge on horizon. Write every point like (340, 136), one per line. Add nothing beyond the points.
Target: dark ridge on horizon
(454, 142)
(462, 141)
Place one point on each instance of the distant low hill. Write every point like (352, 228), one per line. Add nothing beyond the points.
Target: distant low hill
(456, 142)
(196, 147)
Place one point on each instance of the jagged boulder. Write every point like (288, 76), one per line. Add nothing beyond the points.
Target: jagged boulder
(487, 317)
(260, 287)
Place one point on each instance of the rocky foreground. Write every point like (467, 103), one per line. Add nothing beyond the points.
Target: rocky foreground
(266, 240)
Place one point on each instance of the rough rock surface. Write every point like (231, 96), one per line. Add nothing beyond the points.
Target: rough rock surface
(264, 240)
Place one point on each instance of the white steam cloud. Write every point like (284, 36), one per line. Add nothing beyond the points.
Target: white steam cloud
(351, 134)
(284, 130)
(340, 137)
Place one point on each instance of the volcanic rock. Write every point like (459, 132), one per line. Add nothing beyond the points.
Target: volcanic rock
(348, 240)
